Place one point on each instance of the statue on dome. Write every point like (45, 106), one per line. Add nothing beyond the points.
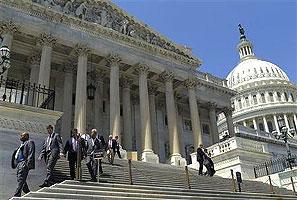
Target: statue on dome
(241, 31)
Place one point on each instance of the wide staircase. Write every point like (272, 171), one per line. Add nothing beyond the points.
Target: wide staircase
(151, 181)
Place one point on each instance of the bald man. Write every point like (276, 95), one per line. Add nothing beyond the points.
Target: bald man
(23, 160)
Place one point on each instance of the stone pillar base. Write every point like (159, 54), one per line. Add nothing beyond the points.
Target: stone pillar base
(149, 156)
(177, 160)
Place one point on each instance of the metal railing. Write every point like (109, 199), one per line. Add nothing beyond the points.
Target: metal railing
(21, 92)
(274, 166)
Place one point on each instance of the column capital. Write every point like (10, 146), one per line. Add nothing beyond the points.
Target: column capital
(126, 82)
(167, 76)
(142, 68)
(113, 59)
(69, 67)
(152, 89)
(47, 40)
(81, 50)
(228, 111)
(8, 27)
(34, 57)
(212, 105)
(190, 83)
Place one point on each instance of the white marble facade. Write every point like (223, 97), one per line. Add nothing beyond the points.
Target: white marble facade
(149, 90)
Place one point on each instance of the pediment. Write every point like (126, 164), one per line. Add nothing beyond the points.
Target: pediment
(107, 14)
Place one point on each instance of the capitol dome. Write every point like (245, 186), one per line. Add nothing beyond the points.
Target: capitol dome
(264, 93)
(254, 69)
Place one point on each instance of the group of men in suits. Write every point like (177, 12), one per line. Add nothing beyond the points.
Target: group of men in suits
(23, 158)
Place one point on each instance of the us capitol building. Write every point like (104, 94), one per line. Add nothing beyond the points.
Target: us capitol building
(89, 64)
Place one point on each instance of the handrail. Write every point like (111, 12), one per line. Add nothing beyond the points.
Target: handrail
(26, 93)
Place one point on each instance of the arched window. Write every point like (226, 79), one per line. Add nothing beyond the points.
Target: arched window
(239, 103)
(261, 126)
(261, 70)
(270, 126)
(255, 99)
(279, 96)
(292, 97)
(263, 98)
(247, 103)
(286, 96)
(271, 97)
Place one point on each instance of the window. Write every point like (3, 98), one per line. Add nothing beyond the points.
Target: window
(270, 126)
(279, 96)
(205, 129)
(292, 97)
(121, 110)
(286, 96)
(239, 103)
(187, 125)
(271, 97)
(255, 99)
(261, 126)
(247, 103)
(263, 98)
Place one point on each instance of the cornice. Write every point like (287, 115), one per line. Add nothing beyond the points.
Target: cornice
(48, 13)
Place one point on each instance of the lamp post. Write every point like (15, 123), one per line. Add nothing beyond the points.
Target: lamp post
(4, 58)
(284, 135)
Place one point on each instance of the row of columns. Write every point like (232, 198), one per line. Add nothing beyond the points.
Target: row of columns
(42, 67)
(277, 128)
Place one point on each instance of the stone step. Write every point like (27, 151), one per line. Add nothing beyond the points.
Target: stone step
(156, 190)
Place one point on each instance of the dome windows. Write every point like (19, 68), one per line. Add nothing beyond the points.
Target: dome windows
(255, 99)
(279, 97)
(263, 100)
(271, 97)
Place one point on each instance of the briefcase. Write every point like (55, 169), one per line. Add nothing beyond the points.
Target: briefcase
(98, 154)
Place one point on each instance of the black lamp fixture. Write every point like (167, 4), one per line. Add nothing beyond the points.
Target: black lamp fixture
(4, 58)
(281, 122)
(91, 88)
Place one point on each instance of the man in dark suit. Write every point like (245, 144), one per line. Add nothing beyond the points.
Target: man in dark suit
(71, 149)
(200, 158)
(51, 151)
(93, 145)
(116, 148)
(23, 160)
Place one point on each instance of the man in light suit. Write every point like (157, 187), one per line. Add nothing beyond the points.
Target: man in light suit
(51, 151)
(93, 145)
(23, 159)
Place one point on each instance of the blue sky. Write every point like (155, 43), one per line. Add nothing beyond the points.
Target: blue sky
(210, 28)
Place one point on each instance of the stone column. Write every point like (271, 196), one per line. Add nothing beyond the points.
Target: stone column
(67, 100)
(295, 120)
(80, 120)
(265, 124)
(152, 92)
(98, 101)
(244, 123)
(195, 119)
(229, 120)
(213, 123)
(34, 61)
(255, 124)
(127, 116)
(286, 121)
(175, 158)
(47, 42)
(276, 124)
(115, 126)
(146, 134)
(7, 29)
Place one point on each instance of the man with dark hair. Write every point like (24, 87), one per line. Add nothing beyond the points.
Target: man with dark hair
(51, 151)
(200, 158)
(23, 159)
(71, 148)
(116, 149)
